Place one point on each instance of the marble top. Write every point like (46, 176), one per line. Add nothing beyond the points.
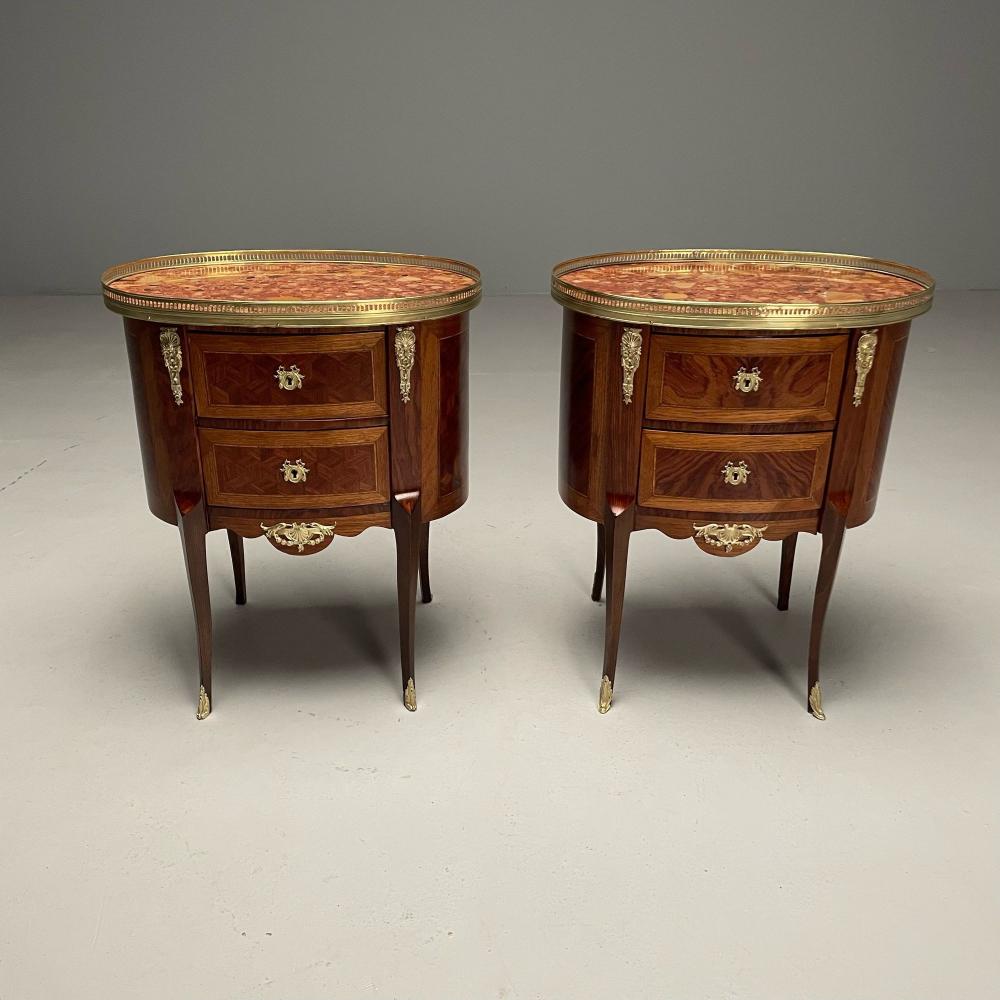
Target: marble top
(260, 287)
(732, 287)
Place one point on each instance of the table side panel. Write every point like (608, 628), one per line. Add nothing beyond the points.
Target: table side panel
(443, 355)
(167, 436)
(583, 414)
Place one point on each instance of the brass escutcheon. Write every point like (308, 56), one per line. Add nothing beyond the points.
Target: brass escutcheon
(747, 381)
(294, 472)
(735, 475)
(289, 378)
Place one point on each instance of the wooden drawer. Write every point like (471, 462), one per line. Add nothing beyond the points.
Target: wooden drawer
(745, 380)
(326, 375)
(342, 468)
(686, 471)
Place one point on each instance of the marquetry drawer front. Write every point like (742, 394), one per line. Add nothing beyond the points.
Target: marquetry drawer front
(733, 472)
(295, 468)
(745, 379)
(295, 377)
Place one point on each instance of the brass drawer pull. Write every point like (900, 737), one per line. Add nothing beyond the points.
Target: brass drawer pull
(735, 475)
(289, 378)
(294, 472)
(298, 535)
(747, 381)
(730, 536)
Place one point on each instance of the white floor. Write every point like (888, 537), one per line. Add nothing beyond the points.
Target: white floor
(706, 838)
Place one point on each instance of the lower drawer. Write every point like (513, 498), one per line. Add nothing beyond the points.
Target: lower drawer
(286, 469)
(733, 472)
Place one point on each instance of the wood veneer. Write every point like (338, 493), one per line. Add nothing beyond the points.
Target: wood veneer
(692, 379)
(343, 375)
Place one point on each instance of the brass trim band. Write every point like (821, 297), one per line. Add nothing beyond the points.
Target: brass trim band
(742, 315)
(333, 312)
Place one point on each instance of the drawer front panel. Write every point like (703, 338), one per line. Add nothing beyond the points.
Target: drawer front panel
(276, 469)
(734, 472)
(748, 380)
(323, 376)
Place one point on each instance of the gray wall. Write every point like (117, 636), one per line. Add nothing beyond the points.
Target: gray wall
(512, 134)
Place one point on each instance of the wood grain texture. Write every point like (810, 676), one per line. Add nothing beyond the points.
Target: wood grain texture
(832, 531)
(624, 418)
(168, 439)
(444, 415)
(785, 572)
(343, 375)
(682, 471)
(406, 522)
(691, 378)
(319, 424)
(346, 468)
(193, 526)
(853, 468)
(583, 413)
(405, 454)
(239, 565)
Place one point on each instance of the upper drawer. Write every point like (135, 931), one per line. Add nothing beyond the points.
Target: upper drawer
(733, 472)
(281, 469)
(745, 380)
(287, 378)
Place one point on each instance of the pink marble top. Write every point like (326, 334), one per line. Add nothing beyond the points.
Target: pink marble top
(727, 282)
(292, 281)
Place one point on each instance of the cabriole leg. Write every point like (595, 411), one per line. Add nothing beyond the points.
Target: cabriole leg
(193, 527)
(406, 526)
(617, 528)
(239, 566)
(832, 530)
(425, 572)
(595, 594)
(785, 577)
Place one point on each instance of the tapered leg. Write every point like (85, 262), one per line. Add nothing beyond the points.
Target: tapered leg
(595, 594)
(832, 529)
(425, 573)
(617, 528)
(239, 565)
(193, 527)
(785, 577)
(406, 525)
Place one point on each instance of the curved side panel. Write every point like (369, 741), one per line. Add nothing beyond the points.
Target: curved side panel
(167, 437)
(443, 363)
(582, 413)
(883, 385)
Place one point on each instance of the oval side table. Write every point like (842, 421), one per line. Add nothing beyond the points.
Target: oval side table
(730, 397)
(298, 395)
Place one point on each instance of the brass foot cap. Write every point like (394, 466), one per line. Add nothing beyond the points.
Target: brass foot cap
(410, 696)
(204, 704)
(816, 703)
(604, 700)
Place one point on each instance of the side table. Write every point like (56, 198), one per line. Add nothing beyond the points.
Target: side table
(298, 395)
(728, 396)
